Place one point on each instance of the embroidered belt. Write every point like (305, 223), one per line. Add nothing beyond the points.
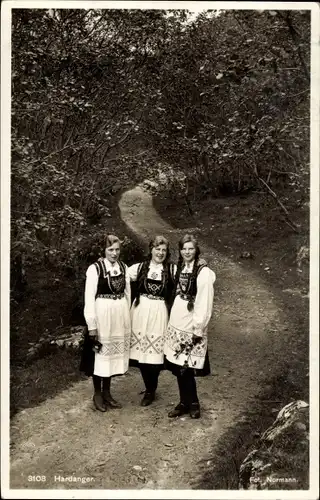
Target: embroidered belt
(153, 297)
(113, 296)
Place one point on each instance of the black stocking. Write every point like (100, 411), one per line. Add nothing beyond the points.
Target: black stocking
(187, 387)
(150, 375)
(96, 383)
(106, 383)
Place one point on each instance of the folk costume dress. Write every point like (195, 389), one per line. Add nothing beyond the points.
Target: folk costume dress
(183, 324)
(149, 319)
(107, 309)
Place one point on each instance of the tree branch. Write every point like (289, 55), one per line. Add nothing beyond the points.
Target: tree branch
(102, 18)
(294, 36)
(55, 152)
(274, 195)
(126, 157)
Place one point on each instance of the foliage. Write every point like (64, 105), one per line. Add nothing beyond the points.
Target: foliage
(72, 114)
(104, 98)
(235, 104)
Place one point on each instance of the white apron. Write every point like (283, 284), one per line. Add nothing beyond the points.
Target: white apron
(183, 324)
(111, 317)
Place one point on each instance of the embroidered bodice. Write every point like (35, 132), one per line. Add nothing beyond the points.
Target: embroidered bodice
(153, 287)
(185, 282)
(111, 280)
(187, 285)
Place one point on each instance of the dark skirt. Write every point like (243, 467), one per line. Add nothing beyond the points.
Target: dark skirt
(87, 355)
(198, 372)
(136, 364)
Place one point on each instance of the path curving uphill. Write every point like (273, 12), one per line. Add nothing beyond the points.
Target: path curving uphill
(140, 448)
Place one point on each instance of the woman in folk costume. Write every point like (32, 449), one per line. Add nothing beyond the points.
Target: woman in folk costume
(107, 314)
(149, 313)
(186, 343)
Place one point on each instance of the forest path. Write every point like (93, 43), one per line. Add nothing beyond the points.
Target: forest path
(140, 448)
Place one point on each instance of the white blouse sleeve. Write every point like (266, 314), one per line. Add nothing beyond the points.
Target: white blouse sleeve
(174, 270)
(133, 271)
(127, 289)
(203, 304)
(90, 297)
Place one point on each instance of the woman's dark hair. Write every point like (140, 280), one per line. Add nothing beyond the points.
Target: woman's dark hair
(143, 273)
(187, 238)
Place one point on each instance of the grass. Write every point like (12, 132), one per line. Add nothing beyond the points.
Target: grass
(43, 378)
(233, 447)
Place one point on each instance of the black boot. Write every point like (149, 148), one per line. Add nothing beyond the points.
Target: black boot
(148, 398)
(97, 398)
(195, 410)
(150, 375)
(189, 389)
(180, 409)
(99, 402)
(108, 399)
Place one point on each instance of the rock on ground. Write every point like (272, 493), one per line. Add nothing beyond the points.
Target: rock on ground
(279, 461)
(71, 337)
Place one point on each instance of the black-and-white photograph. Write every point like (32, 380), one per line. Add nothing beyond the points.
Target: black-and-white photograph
(160, 258)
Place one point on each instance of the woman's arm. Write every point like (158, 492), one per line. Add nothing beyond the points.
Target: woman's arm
(90, 297)
(132, 271)
(204, 300)
(174, 270)
(127, 289)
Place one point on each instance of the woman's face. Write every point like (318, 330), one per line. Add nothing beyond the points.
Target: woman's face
(159, 253)
(188, 252)
(113, 252)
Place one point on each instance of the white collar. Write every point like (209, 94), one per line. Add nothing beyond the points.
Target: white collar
(109, 264)
(189, 266)
(155, 265)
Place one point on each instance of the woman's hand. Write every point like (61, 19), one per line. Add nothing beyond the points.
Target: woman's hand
(196, 332)
(93, 333)
(96, 345)
(196, 339)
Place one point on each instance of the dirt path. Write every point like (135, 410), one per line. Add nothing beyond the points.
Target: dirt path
(136, 448)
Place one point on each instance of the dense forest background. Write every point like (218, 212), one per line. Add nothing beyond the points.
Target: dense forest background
(209, 105)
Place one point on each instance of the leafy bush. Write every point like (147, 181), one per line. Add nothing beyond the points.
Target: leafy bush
(101, 99)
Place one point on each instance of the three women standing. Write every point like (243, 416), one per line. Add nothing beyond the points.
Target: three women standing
(149, 337)
(107, 314)
(150, 313)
